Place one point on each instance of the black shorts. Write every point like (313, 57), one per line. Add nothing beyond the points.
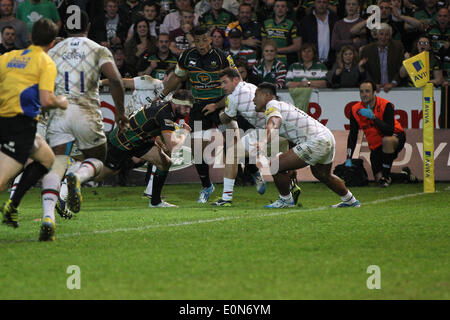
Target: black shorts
(209, 121)
(17, 136)
(117, 158)
(376, 156)
(243, 123)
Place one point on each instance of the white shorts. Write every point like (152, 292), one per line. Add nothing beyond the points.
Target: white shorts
(41, 129)
(319, 150)
(84, 125)
(250, 142)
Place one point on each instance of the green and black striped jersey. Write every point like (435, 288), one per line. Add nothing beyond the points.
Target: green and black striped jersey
(204, 72)
(145, 124)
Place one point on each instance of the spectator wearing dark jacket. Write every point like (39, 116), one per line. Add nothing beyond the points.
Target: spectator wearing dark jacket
(317, 28)
(111, 28)
(348, 70)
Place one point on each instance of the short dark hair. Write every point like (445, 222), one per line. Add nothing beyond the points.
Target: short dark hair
(245, 5)
(374, 86)
(44, 32)
(84, 23)
(230, 73)
(268, 87)
(183, 94)
(163, 34)
(200, 30)
(150, 3)
(7, 27)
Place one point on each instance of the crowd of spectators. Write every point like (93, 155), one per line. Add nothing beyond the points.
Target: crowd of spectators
(295, 43)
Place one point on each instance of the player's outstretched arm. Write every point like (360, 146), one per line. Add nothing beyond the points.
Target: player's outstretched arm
(110, 71)
(49, 100)
(128, 83)
(172, 83)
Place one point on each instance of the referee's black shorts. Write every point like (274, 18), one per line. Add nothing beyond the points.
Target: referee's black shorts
(376, 156)
(17, 136)
(209, 121)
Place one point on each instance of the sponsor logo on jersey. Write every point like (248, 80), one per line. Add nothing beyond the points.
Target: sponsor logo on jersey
(204, 78)
(18, 63)
(74, 55)
(168, 123)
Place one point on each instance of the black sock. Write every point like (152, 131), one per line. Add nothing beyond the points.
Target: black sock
(158, 183)
(32, 173)
(387, 159)
(251, 168)
(203, 173)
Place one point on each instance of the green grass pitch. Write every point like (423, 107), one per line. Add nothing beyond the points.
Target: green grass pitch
(126, 250)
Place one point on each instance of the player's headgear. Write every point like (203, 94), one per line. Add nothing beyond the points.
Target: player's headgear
(183, 97)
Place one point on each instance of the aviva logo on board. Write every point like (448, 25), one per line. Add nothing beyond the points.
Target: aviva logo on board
(418, 68)
(418, 65)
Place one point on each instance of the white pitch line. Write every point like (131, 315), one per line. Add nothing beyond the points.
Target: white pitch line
(220, 219)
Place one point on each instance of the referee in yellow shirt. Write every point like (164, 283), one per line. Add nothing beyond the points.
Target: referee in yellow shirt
(27, 81)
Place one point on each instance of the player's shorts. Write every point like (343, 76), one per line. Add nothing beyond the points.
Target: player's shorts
(116, 158)
(41, 130)
(317, 150)
(376, 155)
(209, 121)
(82, 124)
(250, 141)
(17, 136)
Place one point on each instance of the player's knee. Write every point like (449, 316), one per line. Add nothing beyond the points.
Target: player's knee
(166, 164)
(48, 161)
(321, 175)
(3, 183)
(389, 143)
(96, 164)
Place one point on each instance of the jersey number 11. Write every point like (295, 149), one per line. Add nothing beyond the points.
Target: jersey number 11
(66, 81)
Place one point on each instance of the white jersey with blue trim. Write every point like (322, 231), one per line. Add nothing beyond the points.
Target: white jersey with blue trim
(79, 61)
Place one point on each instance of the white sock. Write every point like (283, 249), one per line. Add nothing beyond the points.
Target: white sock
(48, 204)
(50, 191)
(287, 198)
(14, 186)
(63, 192)
(89, 168)
(349, 198)
(228, 186)
(74, 167)
(149, 188)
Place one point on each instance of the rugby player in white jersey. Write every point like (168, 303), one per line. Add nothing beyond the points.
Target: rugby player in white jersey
(315, 146)
(239, 102)
(80, 61)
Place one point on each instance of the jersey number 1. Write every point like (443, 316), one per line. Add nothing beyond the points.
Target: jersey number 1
(66, 81)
